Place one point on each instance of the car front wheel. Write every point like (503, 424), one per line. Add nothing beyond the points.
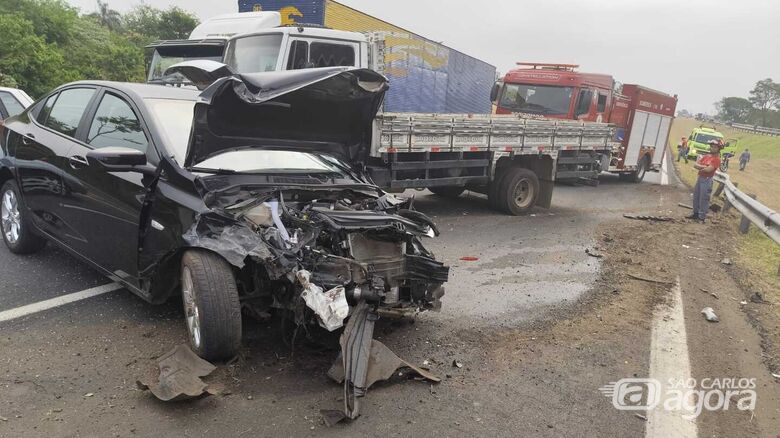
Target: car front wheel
(211, 306)
(17, 232)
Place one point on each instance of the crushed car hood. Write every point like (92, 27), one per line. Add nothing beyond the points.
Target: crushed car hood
(324, 109)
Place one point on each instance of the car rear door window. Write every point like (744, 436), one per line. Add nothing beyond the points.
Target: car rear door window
(67, 111)
(115, 124)
(12, 105)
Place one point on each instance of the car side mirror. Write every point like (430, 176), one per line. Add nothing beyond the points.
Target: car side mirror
(120, 159)
(494, 92)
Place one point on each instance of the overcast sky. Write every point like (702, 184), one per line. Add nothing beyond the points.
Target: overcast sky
(701, 50)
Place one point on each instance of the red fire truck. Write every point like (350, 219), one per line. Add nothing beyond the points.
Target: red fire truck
(642, 117)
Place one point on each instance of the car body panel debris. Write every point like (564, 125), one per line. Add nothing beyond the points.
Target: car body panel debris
(180, 373)
(363, 362)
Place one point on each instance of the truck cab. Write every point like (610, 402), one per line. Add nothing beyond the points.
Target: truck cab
(257, 42)
(557, 91)
(698, 142)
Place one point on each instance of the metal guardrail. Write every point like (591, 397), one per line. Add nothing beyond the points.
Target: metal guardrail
(755, 129)
(763, 217)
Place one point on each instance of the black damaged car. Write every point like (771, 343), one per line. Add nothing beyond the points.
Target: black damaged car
(248, 197)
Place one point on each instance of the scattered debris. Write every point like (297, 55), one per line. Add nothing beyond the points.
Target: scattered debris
(608, 239)
(689, 207)
(727, 261)
(648, 218)
(457, 364)
(715, 208)
(469, 259)
(180, 373)
(743, 303)
(710, 315)
(776, 376)
(332, 417)
(757, 298)
(713, 294)
(593, 253)
(641, 417)
(363, 362)
(3, 418)
(650, 280)
(89, 394)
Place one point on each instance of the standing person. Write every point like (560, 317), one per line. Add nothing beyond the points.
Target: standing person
(707, 165)
(744, 159)
(682, 150)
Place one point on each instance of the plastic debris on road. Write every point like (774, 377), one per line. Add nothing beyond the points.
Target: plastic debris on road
(710, 315)
(180, 373)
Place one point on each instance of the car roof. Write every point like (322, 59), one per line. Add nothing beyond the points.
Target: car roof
(145, 91)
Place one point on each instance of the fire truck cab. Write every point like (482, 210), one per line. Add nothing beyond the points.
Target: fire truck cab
(641, 117)
(556, 91)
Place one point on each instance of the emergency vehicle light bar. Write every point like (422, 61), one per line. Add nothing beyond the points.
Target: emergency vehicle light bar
(549, 66)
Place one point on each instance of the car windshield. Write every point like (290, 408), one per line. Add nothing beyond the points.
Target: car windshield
(706, 138)
(254, 54)
(164, 57)
(536, 99)
(267, 161)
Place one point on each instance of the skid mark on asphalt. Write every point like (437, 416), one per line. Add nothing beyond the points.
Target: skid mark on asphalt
(669, 360)
(40, 306)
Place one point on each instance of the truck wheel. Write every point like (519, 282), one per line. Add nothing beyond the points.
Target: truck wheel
(17, 232)
(211, 306)
(447, 191)
(639, 174)
(518, 191)
(494, 188)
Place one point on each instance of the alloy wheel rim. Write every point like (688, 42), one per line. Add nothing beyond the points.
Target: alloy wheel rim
(191, 311)
(522, 193)
(11, 218)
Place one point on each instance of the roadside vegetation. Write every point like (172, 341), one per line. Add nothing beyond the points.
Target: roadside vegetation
(757, 253)
(46, 43)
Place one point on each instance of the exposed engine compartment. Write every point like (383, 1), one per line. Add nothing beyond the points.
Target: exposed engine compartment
(349, 245)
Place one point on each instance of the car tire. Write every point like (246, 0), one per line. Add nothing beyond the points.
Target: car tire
(18, 233)
(212, 310)
(447, 191)
(518, 191)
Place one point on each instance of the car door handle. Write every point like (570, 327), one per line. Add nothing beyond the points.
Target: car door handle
(77, 161)
(28, 139)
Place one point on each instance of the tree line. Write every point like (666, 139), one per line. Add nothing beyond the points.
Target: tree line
(45, 43)
(761, 107)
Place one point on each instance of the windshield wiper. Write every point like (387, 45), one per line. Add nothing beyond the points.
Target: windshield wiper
(212, 171)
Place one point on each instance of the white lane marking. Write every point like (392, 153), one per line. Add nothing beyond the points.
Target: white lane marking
(669, 361)
(665, 172)
(40, 306)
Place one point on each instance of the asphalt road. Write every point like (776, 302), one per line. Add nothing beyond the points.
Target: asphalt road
(71, 370)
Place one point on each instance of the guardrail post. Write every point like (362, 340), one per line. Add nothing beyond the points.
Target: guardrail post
(719, 190)
(726, 204)
(744, 225)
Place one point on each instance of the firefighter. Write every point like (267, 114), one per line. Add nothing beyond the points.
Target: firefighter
(707, 165)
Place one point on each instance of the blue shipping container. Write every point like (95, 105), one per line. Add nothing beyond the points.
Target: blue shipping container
(425, 76)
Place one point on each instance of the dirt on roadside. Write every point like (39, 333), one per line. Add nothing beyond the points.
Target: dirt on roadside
(641, 261)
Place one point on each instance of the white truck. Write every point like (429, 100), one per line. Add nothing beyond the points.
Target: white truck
(510, 159)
